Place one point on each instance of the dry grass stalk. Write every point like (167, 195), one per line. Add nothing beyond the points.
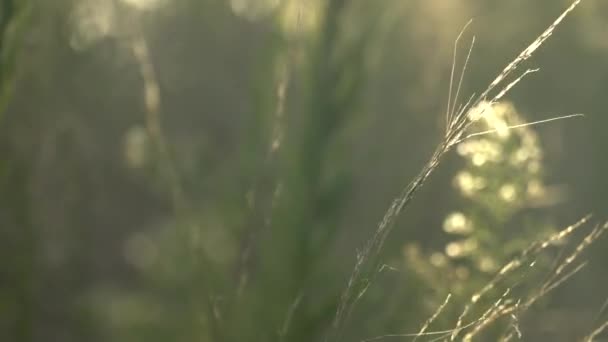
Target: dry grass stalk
(433, 317)
(367, 264)
(505, 306)
(596, 332)
(181, 204)
(556, 278)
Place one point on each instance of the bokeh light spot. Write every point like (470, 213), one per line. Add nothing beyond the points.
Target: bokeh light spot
(145, 4)
(91, 21)
(253, 9)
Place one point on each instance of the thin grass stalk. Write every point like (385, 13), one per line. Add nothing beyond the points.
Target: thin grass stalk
(181, 205)
(286, 69)
(367, 265)
(433, 317)
(557, 278)
(516, 263)
(600, 329)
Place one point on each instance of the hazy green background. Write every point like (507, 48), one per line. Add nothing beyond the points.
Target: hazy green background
(79, 193)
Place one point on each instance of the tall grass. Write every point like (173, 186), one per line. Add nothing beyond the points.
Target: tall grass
(273, 290)
(368, 265)
(19, 253)
(271, 276)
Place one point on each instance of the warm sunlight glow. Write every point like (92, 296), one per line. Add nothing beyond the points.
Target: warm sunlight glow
(487, 264)
(479, 111)
(253, 9)
(469, 184)
(457, 223)
(458, 249)
(300, 16)
(535, 189)
(135, 147)
(145, 4)
(91, 21)
(481, 151)
(497, 118)
(438, 259)
(508, 192)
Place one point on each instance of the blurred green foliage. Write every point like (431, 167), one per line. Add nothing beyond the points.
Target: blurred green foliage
(501, 178)
(13, 20)
(207, 170)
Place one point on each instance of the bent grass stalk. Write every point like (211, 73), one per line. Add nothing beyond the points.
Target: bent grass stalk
(504, 305)
(367, 265)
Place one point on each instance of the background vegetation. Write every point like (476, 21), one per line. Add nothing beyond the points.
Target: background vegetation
(211, 170)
